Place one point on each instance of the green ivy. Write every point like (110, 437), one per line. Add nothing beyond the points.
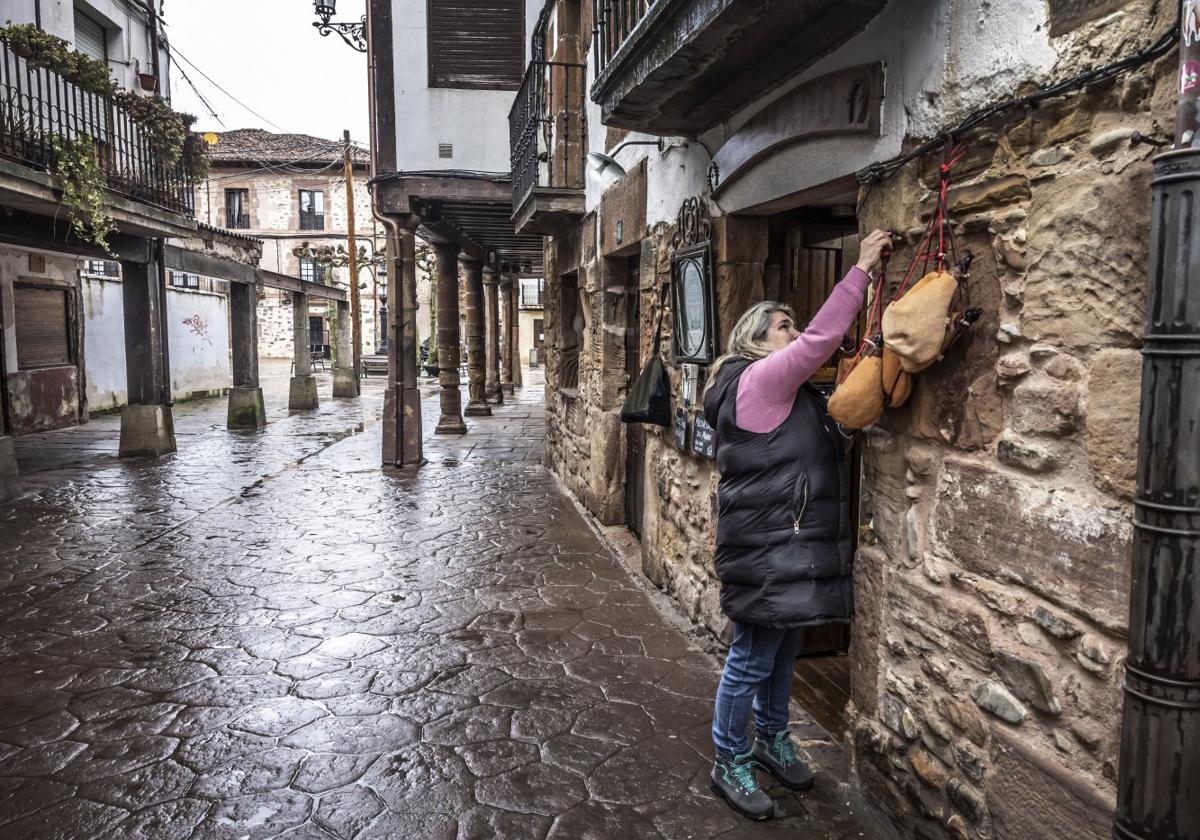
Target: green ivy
(41, 49)
(83, 185)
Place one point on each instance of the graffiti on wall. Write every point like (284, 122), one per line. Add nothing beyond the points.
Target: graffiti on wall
(199, 326)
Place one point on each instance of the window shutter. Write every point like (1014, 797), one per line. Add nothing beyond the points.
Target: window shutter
(476, 43)
(41, 327)
(90, 37)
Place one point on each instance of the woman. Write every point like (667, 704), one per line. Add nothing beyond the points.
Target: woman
(784, 542)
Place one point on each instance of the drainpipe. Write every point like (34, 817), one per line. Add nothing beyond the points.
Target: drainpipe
(1158, 789)
(37, 13)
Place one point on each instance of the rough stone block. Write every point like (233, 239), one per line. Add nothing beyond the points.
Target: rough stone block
(1028, 680)
(147, 430)
(1113, 405)
(1045, 406)
(870, 574)
(345, 382)
(972, 197)
(1058, 544)
(302, 393)
(1026, 455)
(1056, 625)
(10, 478)
(940, 620)
(1091, 295)
(995, 698)
(246, 409)
(1032, 797)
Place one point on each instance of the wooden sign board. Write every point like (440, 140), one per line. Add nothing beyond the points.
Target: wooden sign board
(704, 438)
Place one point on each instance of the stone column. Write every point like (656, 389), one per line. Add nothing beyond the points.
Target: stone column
(514, 303)
(246, 410)
(506, 343)
(491, 306)
(147, 424)
(477, 405)
(345, 377)
(402, 399)
(451, 421)
(302, 395)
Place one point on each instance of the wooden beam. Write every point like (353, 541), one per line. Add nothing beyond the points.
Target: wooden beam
(193, 262)
(274, 280)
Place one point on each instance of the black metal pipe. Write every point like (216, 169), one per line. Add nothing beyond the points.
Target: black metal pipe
(1158, 792)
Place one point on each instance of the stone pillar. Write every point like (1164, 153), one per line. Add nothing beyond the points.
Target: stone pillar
(451, 421)
(514, 303)
(506, 343)
(402, 399)
(147, 425)
(491, 317)
(246, 409)
(345, 377)
(477, 405)
(302, 395)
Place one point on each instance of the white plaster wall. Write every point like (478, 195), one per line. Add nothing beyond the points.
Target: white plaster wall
(474, 121)
(525, 328)
(104, 343)
(943, 59)
(199, 360)
(128, 38)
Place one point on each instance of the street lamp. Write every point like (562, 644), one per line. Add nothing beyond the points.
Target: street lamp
(354, 34)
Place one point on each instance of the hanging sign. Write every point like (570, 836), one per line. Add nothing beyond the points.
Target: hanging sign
(681, 429)
(704, 438)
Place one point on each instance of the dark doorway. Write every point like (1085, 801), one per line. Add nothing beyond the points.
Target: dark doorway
(815, 246)
(635, 433)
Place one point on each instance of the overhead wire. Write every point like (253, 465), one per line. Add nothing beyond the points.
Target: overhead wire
(879, 172)
(218, 86)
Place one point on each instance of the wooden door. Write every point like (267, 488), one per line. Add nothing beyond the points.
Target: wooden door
(635, 433)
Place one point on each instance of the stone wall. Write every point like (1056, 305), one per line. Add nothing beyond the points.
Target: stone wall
(992, 579)
(994, 591)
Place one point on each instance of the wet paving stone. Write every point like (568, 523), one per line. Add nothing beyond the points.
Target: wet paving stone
(265, 635)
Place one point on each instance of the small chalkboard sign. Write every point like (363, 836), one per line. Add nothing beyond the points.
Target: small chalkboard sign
(704, 439)
(681, 429)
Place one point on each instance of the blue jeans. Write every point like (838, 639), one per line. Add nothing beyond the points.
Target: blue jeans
(758, 676)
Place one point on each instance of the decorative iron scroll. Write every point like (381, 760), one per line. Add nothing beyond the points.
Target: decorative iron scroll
(692, 226)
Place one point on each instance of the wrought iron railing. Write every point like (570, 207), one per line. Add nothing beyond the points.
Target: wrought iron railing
(38, 105)
(614, 20)
(312, 221)
(546, 130)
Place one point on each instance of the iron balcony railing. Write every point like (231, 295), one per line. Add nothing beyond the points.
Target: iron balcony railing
(312, 221)
(546, 131)
(38, 104)
(614, 20)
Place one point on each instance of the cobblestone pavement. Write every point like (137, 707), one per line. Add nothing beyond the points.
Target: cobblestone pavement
(267, 635)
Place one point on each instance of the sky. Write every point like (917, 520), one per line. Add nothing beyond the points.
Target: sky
(267, 54)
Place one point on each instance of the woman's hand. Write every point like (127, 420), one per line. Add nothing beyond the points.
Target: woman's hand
(871, 247)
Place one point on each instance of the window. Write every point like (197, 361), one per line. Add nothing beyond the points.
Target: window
(237, 209)
(185, 281)
(532, 289)
(476, 44)
(101, 268)
(312, 210)
(41, 327)
(311, 271)
(91, 39)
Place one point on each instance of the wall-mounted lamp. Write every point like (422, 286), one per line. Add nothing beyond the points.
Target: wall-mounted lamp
(606, 166)
(354, 34)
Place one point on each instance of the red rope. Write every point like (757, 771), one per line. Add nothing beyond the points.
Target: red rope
(925, 253)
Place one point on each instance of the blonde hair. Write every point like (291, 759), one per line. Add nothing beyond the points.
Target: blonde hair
(747, 340)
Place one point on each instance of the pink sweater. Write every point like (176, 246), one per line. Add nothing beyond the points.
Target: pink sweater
(768, 387)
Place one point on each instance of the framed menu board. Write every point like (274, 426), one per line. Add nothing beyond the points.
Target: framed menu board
(704, 438)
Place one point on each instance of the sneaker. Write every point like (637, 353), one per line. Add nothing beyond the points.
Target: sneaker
(733, 780)
(779, 758)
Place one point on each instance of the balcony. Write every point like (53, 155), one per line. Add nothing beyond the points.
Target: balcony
(680, 67)
(38, 105)
(312, 221)
(548, 144)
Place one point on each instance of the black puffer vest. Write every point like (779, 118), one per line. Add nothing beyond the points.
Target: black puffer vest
(784, 544)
